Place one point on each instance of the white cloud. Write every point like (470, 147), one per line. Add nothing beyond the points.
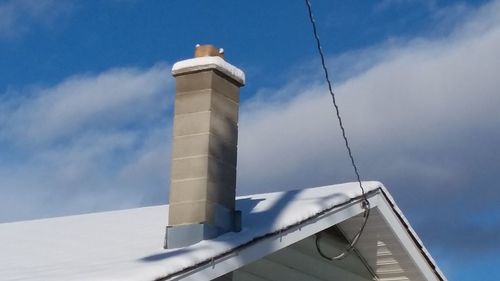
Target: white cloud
(115, 98)
(409, 115)
(90, 143)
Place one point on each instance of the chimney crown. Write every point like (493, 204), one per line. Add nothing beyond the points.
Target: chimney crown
(209, 62)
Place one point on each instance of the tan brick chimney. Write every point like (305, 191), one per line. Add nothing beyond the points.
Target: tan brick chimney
(205, 136)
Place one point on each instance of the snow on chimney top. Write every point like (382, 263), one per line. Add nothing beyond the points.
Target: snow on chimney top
(208, 57)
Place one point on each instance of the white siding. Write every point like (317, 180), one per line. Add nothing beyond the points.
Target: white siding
(382, 249)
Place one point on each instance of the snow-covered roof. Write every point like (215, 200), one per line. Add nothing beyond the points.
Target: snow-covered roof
(127, 245)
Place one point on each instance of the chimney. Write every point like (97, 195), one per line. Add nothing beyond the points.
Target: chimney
(205, 136)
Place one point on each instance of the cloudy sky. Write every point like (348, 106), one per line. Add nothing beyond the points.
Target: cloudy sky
(86, 106)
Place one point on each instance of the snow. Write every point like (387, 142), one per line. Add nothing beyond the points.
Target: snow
(204, 63)
(127, 245)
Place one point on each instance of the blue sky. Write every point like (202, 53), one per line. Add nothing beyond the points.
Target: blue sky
(86, 105)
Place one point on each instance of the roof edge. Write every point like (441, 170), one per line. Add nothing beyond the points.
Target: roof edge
(425, 253)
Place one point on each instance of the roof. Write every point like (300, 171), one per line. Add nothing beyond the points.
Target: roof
(127, 245)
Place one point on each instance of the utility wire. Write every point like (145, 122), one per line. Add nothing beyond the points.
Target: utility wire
(366, 204)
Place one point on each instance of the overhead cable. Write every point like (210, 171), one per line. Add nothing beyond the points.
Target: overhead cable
(365, 202)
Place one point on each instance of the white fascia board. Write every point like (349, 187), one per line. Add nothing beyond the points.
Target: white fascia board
(276, 242)
(407, 239)
(407, 225)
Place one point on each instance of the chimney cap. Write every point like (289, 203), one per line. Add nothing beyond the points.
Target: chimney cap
(208, 51)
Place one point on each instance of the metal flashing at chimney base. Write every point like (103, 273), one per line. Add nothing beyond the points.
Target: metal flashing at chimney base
(178, 236)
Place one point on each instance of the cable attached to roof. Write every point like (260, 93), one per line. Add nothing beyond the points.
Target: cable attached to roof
(365, 203)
